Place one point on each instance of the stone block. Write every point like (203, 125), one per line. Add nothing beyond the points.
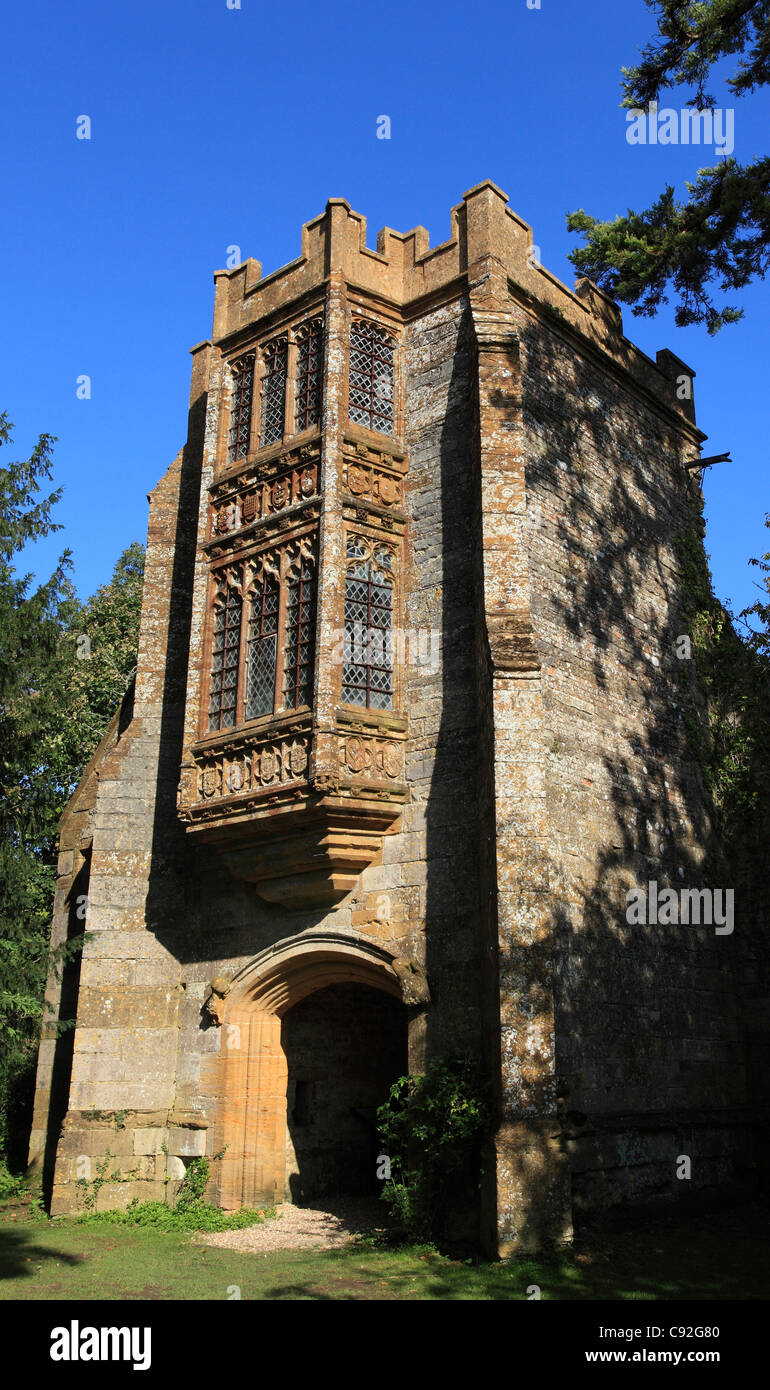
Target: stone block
(150, 1141)
(187, 1143)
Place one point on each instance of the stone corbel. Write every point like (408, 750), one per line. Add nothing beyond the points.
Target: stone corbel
(512, 644)
(495, 332)
(214, 1004)
(414, 985)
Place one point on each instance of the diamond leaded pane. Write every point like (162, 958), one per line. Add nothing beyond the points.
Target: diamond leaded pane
(310, 344)
(367, 672)
(223, 687)
(274, 391)
(240, 411)
(260, 677)
(371, 376)
(299, 652)
(261, 650)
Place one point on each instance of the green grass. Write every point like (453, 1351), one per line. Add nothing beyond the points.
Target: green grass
(716, 1256)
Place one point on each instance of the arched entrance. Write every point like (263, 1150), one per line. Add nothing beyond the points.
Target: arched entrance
(313, 1032)
(344, 1047)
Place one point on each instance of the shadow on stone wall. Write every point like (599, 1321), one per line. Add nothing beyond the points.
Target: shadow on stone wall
(649, 1037)
(168, 909)
(463, 1019)
(61, 1068)
(650, 1042)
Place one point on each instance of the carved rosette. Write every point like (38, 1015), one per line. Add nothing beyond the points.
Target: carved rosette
(371, 758)
(253, 769)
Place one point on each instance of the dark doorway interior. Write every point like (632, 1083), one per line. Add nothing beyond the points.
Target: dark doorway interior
(345, 1045)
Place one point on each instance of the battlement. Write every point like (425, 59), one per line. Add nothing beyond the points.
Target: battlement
(487, 238)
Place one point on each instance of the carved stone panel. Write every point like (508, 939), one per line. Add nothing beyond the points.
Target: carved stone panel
(374, 484)
(371, 758)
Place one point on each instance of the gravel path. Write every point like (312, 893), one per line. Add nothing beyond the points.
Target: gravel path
(326, 1226)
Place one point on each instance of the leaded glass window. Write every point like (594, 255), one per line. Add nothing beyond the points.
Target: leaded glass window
(310, 350)
(367, 671)
(240, 410)
(274, 391)
(370, 393)
(223, 690)
(299, 650)
(263, 644)
(261, 649)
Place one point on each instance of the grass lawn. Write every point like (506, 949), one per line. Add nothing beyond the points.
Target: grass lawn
(705, 1256)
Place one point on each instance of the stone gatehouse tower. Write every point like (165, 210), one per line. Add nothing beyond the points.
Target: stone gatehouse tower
(408, 723)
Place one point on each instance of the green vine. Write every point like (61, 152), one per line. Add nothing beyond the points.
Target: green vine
(190, 1211)
(90, 1188)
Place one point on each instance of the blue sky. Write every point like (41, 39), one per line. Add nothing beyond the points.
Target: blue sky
(214, 127)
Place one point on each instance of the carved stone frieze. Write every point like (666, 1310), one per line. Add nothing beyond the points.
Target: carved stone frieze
(254, 498)
(251, 768)
(386, 489)
(371, 758)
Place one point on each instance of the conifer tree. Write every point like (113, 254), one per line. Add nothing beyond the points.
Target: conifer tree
(64, 668)
(719, 235)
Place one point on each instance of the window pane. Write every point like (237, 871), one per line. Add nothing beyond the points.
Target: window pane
(262, 650)
(370, 389)
(274, 391)
(223, 686)
(367, 672)
(300, 640)
(240, 411)
(310, 344)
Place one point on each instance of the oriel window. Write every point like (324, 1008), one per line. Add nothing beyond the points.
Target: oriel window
(263, 640)
(367, 671)
(240, 409)
(275, 356)
(370, 390)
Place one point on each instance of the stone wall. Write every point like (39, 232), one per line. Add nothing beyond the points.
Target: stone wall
(649, 1046)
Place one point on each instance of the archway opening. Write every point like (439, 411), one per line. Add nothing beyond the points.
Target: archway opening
(344, 1045)
(298, 1095)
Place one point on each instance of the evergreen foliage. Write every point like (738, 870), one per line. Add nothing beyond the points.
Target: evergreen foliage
(721, 231)
(55, 703)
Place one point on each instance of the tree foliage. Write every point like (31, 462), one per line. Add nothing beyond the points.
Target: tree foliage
(432, 1127)
(759, 611)
(721, 232)
(54, 707)
(732, 742)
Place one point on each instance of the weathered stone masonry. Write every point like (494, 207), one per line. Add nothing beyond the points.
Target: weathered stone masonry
(453, 861)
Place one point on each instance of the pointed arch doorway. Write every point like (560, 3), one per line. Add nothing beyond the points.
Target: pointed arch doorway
(314, 1031)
